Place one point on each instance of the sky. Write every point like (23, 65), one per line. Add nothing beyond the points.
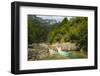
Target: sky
(57, 18)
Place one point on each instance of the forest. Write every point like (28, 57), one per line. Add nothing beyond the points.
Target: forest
(51, 39)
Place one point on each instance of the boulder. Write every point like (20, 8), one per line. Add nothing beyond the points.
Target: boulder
(42, 53)
(66, 46)
(32, 54)
(37, 54)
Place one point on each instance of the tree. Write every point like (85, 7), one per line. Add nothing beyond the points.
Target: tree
(73, 30)
(59, 33)
(38, 29)
(78, 31)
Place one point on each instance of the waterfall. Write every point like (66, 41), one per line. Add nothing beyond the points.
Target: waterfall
(63, 53)
(59, 49)
(60, 52)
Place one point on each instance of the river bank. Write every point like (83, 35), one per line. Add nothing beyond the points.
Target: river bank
(43, 51)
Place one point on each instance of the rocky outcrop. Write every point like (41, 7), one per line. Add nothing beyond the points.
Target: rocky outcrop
(66, 46)
(32, 54)
(37, 52)
(43, 50)
(43, 53)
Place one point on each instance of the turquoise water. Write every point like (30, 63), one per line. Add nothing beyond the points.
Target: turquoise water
(64, 53)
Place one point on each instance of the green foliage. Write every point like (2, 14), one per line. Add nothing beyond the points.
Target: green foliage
(73, 30)
(37, 30)
(78, 31)
(59, 34)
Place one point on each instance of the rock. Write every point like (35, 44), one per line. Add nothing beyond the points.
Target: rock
(35, 45)
(66, 46)
(32, 54)
(43, 45)
(43, 53)
(37, 54)
(43, 50)
(52, 51)
(39, 45)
